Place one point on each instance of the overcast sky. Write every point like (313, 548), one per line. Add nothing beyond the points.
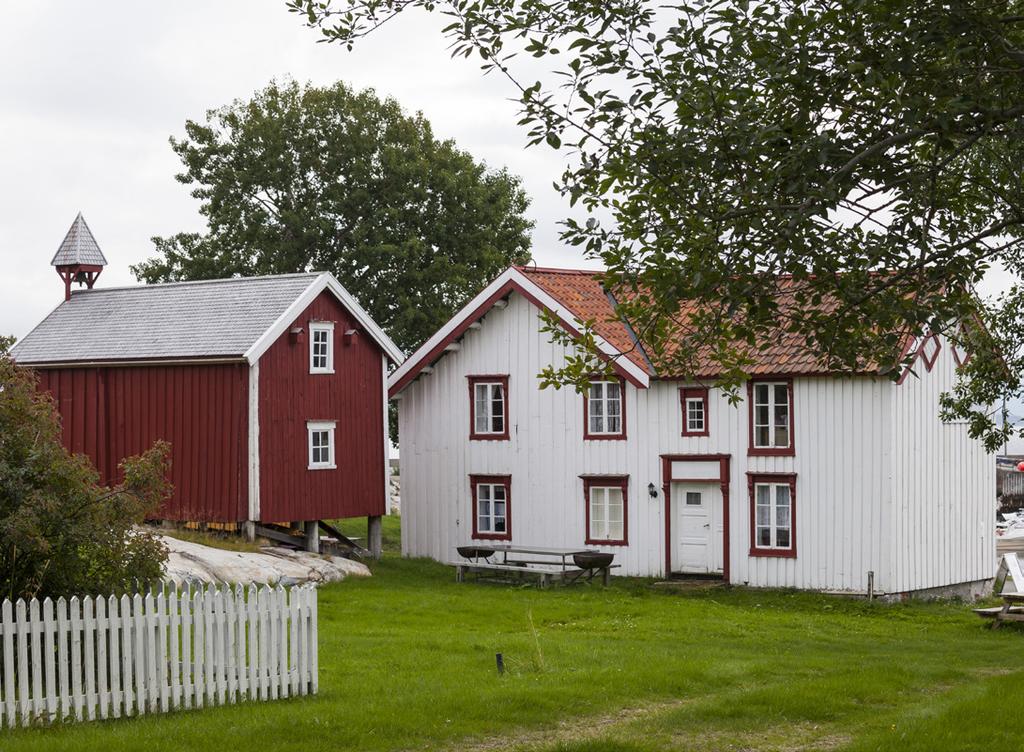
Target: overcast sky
(90, 93)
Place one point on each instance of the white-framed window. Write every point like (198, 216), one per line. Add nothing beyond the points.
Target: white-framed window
(321, 347)
(772, 412)
(321, 444)
(489, 407)
(491, 507)
(606, 510)
(694, 415)
(773, 515)
(604, 409)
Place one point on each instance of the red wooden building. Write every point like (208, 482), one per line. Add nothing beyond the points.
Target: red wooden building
(271, 390)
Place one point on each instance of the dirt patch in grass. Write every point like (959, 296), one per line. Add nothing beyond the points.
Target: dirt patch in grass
(573, 729)
(625, 729)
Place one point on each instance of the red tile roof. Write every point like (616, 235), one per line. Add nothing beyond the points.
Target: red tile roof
(581, 292)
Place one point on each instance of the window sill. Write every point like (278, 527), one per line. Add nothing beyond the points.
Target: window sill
(594, 542)
(604, 437)
(489, 437)
(773, 553)
(694, 434)
(322, 467)
(771, 451)
(492, 536)
(321, 372)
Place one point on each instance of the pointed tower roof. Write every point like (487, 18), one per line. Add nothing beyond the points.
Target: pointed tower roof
(79, 246)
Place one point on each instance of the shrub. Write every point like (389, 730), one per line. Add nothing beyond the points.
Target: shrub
(61, 532)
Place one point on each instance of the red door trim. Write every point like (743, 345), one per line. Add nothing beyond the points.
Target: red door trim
(723, 481)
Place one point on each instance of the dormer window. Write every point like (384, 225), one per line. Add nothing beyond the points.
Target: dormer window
(321, 347)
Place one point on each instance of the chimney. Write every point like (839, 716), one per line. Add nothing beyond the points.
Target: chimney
(79, 258)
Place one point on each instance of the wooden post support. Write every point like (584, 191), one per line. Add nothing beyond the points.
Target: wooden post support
(249, 530)
(312, 528)
(374, 535)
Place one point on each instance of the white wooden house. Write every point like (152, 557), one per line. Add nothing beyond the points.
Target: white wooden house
(814, 481)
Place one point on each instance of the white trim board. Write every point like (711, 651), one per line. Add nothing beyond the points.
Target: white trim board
(254, 442)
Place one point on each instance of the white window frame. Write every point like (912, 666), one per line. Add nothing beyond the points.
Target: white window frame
(690, 427)
(772, 404)
(491, 517)
(320, 327)
(600, 524)
(314, 427)
(603, 400)
(489, 401)
(773, 521)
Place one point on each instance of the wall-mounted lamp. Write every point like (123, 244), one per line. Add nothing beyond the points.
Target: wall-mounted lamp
(652, 490)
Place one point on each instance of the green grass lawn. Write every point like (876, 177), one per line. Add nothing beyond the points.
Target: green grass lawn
(407, 662)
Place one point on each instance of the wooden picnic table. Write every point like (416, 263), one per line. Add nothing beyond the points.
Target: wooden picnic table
(1011, 610)
(556, 563)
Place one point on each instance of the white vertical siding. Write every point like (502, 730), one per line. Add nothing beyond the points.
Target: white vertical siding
(944, 509)
(844, 464)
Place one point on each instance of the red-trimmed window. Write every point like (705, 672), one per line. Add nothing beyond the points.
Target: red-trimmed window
(771, 417)
(772, 515)
(488, 407)
(604, 410)
(607, 505)
(694, 402)
(492, 506)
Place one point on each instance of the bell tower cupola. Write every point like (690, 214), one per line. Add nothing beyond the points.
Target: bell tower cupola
(79, 258)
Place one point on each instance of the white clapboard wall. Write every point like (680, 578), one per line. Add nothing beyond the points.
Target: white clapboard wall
(89, 658)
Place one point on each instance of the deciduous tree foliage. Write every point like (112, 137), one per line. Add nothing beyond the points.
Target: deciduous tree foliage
(867, 155)
(61, 533)
(301, 178)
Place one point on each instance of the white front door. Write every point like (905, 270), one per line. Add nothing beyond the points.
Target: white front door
(698, 527)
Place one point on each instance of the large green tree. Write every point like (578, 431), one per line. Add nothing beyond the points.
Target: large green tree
(867, 156)
(302, 178)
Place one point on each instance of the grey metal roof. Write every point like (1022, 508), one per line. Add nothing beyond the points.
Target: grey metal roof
(223, 317)
(79, 246)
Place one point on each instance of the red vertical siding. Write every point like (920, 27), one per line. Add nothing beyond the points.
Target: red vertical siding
(289, 395)
(202, 410)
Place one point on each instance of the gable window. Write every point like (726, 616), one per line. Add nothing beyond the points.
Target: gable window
(488, 407)
(606, 503)
(320, 435)
(321, 347)
(604, 411)
(695, 411)
(773, 515)
(771, 417)
(492, 514)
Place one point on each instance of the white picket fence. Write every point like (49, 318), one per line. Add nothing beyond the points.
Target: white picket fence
(95, 658)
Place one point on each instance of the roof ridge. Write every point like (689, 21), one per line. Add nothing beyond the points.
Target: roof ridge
(184, 283)
(558, 270)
